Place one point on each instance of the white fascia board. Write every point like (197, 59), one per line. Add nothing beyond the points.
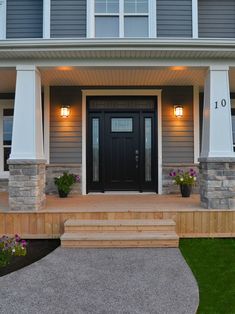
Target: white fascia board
(107, 63)
(122, 43)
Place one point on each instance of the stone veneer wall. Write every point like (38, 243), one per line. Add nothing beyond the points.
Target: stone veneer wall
(55, 170)
(26, 185)
(167, 186)
(217, 183)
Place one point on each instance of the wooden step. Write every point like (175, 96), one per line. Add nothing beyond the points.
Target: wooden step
(112, 240)
(137, 225)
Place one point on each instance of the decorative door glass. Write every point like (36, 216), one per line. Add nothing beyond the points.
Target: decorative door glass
(148, 149)
(95, 149)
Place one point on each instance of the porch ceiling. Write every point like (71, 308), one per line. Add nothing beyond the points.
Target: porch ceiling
(123, 76)
(108, 76)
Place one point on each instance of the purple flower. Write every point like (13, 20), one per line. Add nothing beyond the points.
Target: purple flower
(77, 178)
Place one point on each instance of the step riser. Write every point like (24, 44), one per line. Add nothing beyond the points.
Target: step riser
(119, 244)
(74, 229)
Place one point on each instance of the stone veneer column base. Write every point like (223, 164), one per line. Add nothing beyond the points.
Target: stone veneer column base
(217, 183)
(27, 184)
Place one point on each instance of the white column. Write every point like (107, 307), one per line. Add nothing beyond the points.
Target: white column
(27, 137)
(217, 124)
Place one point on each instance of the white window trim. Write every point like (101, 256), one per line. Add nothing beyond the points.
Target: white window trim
(123, 92)
(4, 104)
(91, 19)
(3, 19)
(46, 19)
(195, 18)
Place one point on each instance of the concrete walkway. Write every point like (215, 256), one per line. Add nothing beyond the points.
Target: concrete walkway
(143, 281)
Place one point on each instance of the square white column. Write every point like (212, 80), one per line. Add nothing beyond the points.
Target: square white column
(27, 137)
(217, 138)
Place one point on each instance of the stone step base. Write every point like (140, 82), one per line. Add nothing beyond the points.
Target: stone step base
(134, 225)
(110, 240)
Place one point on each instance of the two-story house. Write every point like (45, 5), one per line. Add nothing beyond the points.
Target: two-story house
(114, 90)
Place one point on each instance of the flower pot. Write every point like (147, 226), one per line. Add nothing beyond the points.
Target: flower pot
(185, 190)
(62, 193)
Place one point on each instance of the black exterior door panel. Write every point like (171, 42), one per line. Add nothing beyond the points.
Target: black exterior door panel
(120, 147)
(125, 158)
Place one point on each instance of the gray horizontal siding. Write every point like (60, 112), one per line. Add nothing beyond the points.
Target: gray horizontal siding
(24, 19)
(216, 18)
(174, 18)
(177, 134)
(66, 134)
(68, 18)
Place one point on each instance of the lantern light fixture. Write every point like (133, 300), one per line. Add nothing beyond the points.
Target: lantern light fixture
(65, 111)
(178, 111)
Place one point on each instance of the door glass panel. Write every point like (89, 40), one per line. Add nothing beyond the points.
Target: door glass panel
(122, 125)
(7, 135)
(106, 26)
(148, 149)
(95, 149)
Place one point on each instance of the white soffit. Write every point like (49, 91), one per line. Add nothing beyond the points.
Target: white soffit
(122, 77)
(114, 77)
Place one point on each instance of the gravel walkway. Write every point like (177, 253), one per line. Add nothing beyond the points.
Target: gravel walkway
(103, 281)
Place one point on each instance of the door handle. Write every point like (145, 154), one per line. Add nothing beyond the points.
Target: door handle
(137, 159)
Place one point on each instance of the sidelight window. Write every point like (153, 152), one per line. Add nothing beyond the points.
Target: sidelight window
(95, 149)
(148, 149)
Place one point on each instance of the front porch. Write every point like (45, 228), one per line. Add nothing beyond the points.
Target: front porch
(191, 220)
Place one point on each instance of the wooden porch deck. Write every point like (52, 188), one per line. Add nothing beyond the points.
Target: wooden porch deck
(191, 220)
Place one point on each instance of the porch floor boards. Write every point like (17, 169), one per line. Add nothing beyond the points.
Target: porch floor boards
(191, 220)
(122, 203)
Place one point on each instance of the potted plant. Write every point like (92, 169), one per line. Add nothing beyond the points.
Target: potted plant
(185, 179)
(64, 183)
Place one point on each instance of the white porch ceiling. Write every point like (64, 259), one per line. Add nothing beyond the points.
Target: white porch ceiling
(122, 77)
(113, 77)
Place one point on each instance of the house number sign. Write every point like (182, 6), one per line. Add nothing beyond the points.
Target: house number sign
(222, 104)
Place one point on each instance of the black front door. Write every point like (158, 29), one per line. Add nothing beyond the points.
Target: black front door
(121, 144)
(121, 151)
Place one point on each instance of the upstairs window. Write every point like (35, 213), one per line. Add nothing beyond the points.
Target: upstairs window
(122, 18)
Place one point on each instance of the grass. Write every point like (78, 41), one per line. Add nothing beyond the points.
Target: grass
(213, 263)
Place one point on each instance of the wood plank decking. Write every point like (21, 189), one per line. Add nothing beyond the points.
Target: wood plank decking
(191, 220)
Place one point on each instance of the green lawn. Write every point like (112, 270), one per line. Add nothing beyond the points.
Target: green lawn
(213, 263)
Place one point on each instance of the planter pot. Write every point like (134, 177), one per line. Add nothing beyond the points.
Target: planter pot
(62, 193)
(185, 190)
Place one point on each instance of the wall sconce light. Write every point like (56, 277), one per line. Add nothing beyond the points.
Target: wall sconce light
(178, 111)
(65, 111)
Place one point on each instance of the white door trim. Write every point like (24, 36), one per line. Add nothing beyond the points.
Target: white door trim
(122, 92)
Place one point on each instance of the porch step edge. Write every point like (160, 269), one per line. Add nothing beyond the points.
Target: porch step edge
(82, 236)
(120, 222)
